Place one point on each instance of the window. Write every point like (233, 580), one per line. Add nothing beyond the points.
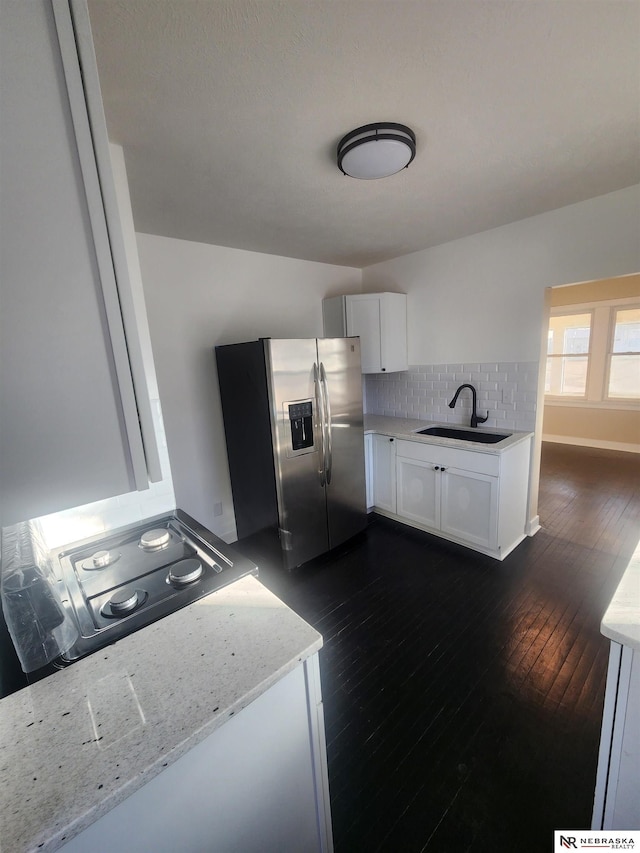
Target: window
(593, 354)
(568, 355)
(624, 355)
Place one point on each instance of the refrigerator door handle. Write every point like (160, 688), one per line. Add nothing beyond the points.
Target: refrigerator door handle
(319, 392)
(327, 424)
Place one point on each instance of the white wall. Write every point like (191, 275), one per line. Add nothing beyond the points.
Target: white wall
(480, 299)
(484, 298)
(199, 296)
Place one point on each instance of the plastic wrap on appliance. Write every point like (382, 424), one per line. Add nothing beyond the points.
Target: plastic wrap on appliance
(39, 625)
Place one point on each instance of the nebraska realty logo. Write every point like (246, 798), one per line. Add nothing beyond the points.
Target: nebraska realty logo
(575, 839)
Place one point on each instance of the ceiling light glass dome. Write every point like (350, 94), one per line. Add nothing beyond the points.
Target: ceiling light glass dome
(376, 150)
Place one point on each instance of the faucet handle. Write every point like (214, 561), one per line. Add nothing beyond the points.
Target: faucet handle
(482, 420)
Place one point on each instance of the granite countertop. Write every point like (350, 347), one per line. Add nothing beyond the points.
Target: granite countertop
(406, 428)
(621, 622)
(77, 743)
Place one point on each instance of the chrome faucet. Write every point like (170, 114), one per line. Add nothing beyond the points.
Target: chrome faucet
(475, 417)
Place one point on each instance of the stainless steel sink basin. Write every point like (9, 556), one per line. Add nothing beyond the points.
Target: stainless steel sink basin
(465, 434)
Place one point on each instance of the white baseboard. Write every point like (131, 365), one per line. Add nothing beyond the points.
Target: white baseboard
(533, 526)
(228, 535)
(593, 442)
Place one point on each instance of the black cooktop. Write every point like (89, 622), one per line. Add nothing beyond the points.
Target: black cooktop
(118, 583)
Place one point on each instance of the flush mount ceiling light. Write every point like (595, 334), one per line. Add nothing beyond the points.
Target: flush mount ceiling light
(376, 150)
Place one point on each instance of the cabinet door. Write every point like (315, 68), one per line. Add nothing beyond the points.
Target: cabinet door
(617, 800)
(469, 506)
(384, 472)
(363, 319)
(368, 469)
(379, 320)
(393, 329)
(67, 408)
(419, 491)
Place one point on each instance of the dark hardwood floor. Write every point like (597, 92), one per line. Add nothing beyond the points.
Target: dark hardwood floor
(463, 696)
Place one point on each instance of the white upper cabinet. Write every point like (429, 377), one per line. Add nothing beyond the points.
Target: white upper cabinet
(379, 319)
(70, 412)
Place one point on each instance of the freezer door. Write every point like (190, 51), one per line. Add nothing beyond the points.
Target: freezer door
(295, 405)
(339, 365)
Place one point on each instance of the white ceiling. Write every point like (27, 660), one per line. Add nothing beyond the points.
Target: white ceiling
(229, 112)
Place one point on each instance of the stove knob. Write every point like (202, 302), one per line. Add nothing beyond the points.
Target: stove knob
(124, 601)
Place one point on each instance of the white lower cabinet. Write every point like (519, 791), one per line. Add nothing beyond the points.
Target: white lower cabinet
(476, 499)
(368, 469)
(418, 485)
(617, 796)
(469, 507)
(384, 472)
(457, 501)
(258, 784)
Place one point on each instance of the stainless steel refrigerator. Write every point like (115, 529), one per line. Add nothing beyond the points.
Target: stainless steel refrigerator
(292, 414)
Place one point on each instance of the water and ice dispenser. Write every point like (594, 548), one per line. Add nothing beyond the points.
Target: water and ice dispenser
(300, 416)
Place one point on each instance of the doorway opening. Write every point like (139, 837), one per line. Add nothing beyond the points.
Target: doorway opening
(592, 368)
(581, 417)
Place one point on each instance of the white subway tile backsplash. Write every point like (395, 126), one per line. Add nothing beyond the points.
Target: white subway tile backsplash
(508, 390)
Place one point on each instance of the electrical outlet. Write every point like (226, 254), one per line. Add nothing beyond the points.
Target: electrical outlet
(217, 509)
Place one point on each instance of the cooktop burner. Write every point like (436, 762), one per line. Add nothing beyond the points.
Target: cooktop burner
(185, 572)
(121, 582)
(100, 559)
(153, 540)
(123, 602)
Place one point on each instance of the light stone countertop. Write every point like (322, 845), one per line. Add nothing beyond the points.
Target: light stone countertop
(621, 621)
(77, 743)
(406, 428)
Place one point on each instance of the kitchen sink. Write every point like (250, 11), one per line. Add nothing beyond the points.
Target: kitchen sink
(465, 434)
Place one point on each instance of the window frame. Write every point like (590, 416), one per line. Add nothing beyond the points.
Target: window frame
(571, 311)
(606, 396)
(600, 343)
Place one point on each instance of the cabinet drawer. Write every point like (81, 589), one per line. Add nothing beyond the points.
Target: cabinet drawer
(450, 457)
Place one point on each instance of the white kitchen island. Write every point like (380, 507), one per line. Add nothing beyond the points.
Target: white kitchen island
(203, 731)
